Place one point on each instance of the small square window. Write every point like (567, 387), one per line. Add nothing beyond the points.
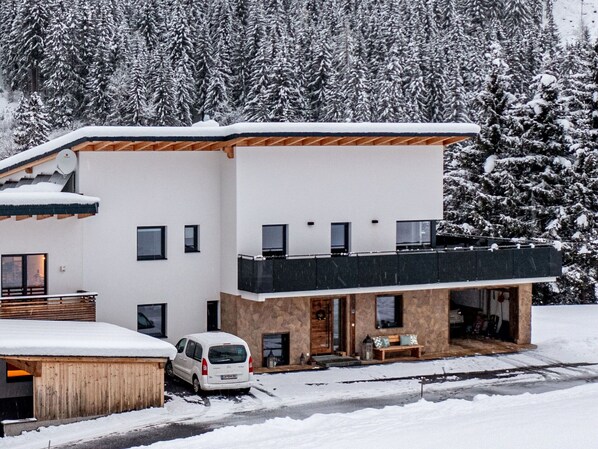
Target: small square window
(274, 240)
(151, 243)
(192, 239)
(151, 320)
(389, 312)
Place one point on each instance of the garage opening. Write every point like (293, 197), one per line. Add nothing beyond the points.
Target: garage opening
(482, 314)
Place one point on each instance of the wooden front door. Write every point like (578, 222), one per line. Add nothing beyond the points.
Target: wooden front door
(327, 325)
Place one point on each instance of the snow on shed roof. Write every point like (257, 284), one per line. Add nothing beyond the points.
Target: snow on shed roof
(30, 338)
(236, 131)
(27, 198)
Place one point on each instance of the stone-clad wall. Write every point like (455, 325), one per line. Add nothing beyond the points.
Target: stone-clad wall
(425, 313)
(250, 320)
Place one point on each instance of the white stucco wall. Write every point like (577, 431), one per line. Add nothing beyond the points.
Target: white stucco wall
(61, 240)
(152, 189)
(294, 185)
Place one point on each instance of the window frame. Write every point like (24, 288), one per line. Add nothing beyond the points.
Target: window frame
(347, 237)
(162, 255)
(285, 340)
(276, 252)
(420, 243)
(163, 306)
(195, 247)
(24, 289)
(398, 312)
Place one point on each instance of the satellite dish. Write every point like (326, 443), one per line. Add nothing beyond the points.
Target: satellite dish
(66, 162)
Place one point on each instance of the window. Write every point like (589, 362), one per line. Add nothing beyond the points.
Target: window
(213, 318)
(180, 346)
(220, 355)
(389, 312)
(413, 233)
(339, 238)
(151, 320)
(194, 350)
(278, 346)
(274, 240)
(192, 239)
(151, 243)
(24, 275)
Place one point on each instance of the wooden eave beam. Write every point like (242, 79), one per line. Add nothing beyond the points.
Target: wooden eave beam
(4, 217)
(435, 140)
(383, 141)
(230, 152)
(43, 216)
(22, 217)
(275, 141)
(80, 216)
(183, 146)
(348, 140)
(294, 141)
(417, 140)
(24, 167)
(106, 146)
(202, 146)
(63, 216)
(452, 140)
(32, 367)
(126, 146)
(142, 146)
(257, 141)
(365, 140)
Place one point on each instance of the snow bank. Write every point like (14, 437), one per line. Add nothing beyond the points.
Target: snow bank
(550, 420)
(77, 338)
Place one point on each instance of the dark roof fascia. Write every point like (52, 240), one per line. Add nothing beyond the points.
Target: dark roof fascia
(224, 139)
(49, 209)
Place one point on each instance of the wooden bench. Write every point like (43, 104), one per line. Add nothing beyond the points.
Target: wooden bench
(395, 340)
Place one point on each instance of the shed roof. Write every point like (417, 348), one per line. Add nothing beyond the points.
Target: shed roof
(30, 338)
(225, 138)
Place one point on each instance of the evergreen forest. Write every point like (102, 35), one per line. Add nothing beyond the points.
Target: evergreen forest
(532, 173)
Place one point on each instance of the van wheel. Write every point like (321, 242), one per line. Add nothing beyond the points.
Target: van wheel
(196, 386)
(244, 390)
(169, 370)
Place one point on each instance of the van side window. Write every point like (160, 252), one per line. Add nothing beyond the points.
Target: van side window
(180, 346)
(198, 352)
(190, 352)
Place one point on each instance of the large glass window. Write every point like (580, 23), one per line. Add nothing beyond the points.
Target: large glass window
(192, 239)
(413, 233)
(274, 240)
(389, 311)
(151, 320)
(151, 243)
(276, 345)
(24, 275)
(339, 238)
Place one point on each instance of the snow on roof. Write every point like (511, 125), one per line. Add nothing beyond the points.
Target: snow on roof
(217, 133)
(77, 339)
(16, 197)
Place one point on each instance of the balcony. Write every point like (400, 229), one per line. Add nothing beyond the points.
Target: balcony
(454, 259)
(68, 307)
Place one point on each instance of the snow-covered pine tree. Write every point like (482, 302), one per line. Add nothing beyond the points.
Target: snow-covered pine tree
(25, 45)
(62, 84)
(164, 104)
(32, 123)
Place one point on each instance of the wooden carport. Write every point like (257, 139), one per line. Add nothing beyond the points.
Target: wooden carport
(83, 369)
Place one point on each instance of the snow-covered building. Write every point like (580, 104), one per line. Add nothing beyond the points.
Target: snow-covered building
(301, 238)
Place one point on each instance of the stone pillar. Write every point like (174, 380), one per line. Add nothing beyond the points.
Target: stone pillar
(523, 315)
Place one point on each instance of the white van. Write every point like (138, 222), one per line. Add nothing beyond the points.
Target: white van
(213, 361)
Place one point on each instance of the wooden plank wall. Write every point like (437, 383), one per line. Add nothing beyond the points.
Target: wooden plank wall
(76, 389)
(71, 309)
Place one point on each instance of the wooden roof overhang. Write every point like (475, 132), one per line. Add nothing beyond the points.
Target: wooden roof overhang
(228, 143)
(43, 211)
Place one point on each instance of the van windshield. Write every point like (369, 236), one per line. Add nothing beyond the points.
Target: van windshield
(219, 355)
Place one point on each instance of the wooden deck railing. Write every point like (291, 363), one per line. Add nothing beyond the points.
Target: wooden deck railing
(67, 307)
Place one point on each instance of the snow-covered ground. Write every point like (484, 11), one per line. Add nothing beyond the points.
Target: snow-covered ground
(564, 334)
(569, 14)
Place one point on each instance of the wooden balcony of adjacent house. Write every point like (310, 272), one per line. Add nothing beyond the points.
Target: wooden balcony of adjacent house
(80, 306)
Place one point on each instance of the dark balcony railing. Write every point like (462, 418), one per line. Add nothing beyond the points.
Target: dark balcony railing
(67, 307)
(404, 267)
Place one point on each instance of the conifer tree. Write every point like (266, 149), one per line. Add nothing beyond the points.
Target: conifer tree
(32, 124)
